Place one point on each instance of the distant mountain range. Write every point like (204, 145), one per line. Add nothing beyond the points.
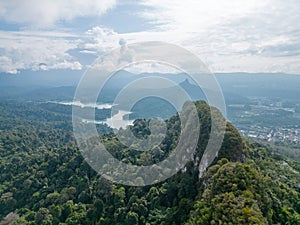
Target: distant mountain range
(61, 85)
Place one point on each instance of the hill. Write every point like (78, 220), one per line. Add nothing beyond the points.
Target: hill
(45, 180)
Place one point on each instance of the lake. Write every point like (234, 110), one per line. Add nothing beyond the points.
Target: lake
(116, 121)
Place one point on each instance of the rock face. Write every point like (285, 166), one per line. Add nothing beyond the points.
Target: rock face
(208, 150)
(232, 145)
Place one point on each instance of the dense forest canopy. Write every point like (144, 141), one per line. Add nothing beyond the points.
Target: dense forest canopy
(45, 180)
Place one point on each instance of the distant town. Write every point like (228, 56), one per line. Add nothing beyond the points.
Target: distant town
(270, 120)
(274, 135)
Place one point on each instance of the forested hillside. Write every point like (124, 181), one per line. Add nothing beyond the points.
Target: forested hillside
(44, 179)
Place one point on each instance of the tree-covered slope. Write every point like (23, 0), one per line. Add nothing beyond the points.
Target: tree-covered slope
(44, 179)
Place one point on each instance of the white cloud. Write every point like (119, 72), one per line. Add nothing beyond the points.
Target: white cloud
(46, 50)
(48, 12)
(151, 67)
(249, 35)
(196, 15)
(21, 50)
(7, 65)
(100, 40)
(229, 36)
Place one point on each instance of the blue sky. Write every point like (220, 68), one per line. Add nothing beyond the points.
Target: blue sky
(228, 36)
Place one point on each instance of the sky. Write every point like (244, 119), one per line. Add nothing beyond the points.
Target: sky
(227, 35)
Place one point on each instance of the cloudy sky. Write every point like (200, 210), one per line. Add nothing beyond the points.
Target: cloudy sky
(227, 35)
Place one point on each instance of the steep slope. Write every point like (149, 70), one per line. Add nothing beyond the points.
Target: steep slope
(44, 180)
